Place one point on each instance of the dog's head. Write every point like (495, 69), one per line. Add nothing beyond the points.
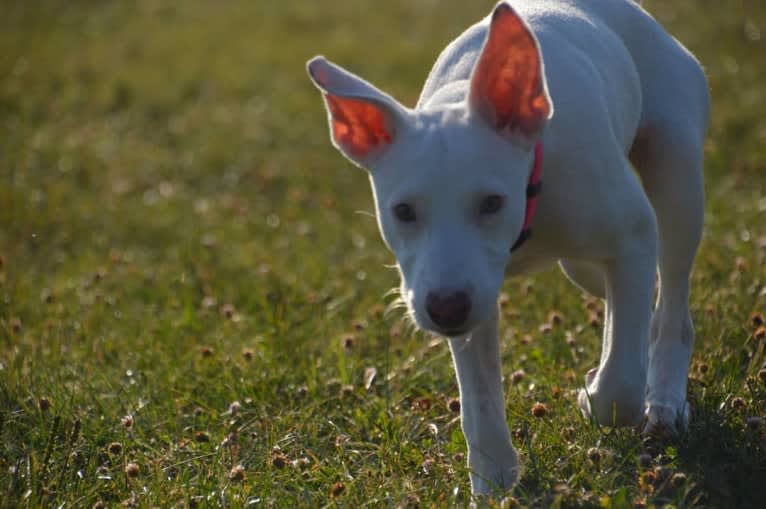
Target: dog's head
(450, 181)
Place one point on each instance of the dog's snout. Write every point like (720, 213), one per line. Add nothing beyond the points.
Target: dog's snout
(448, 309)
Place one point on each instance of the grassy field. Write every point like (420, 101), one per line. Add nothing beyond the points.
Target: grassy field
(192, 307)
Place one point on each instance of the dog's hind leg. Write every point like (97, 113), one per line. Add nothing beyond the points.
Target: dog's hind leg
(668, 155)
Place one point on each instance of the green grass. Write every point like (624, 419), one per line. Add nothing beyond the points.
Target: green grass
(177, 234)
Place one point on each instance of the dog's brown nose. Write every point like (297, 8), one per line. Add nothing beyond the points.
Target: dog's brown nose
(448, 309)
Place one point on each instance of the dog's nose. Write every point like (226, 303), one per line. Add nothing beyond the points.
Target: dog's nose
(448, 309)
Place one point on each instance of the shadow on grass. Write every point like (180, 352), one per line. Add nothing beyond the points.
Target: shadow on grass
(724, 451)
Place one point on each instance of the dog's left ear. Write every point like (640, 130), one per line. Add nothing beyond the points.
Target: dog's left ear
(364, 121)
(508, 88)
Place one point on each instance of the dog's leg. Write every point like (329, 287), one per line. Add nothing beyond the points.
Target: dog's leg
(614, 392)
(669, 161)
(491, 456)
(587, 276)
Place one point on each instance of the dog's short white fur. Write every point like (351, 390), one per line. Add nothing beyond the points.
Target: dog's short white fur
(605, 90)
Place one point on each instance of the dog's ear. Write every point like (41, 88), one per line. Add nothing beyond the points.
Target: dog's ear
(508, 88)
(364, 121)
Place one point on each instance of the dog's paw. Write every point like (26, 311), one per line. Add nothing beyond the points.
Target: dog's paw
(491, 477)
(665, 420)
(486, 502)
(611, 402)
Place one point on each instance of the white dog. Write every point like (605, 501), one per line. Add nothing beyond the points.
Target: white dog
(455, 183)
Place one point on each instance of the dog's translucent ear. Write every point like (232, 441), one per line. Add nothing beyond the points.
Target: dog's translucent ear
(363, 120)
(508, 86)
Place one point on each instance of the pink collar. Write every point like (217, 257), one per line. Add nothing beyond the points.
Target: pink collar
(534, 186)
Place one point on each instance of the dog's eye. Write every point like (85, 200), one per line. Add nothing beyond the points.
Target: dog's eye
(405, 213)
(491, 204)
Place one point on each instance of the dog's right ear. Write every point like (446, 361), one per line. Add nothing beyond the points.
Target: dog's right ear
(364, 121)
(508, 88)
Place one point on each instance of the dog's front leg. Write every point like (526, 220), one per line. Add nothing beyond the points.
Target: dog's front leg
(491, 456)
(614, 392)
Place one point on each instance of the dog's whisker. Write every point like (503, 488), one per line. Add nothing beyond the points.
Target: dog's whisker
(393, 291)
(393, 306)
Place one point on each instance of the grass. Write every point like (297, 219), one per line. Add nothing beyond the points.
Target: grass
(192, 310)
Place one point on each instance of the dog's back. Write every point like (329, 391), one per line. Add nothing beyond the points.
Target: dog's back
(604, 50)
